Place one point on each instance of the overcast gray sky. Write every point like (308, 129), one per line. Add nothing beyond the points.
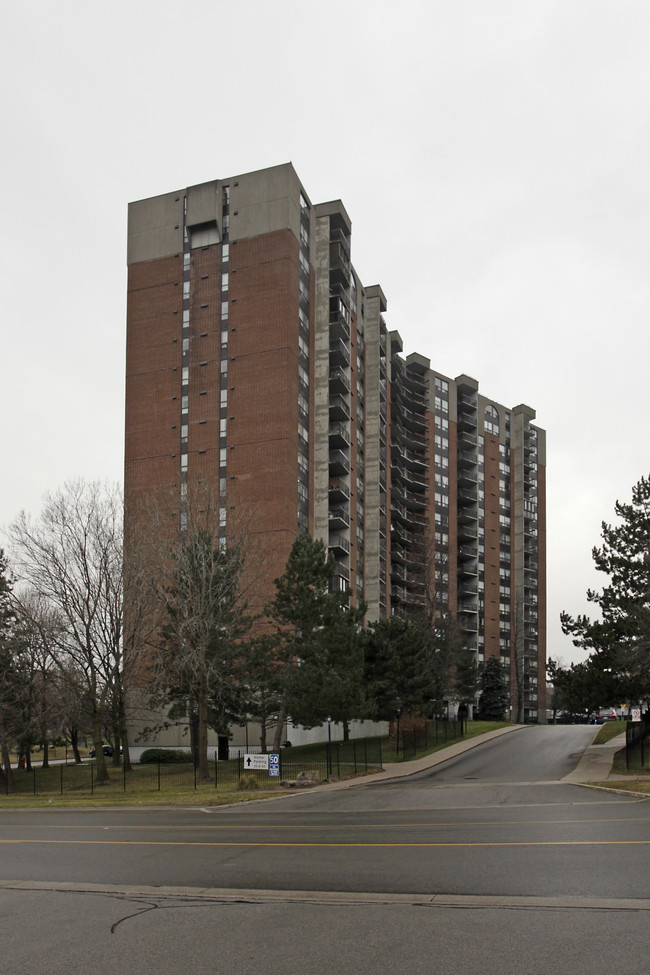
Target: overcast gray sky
(493, 156)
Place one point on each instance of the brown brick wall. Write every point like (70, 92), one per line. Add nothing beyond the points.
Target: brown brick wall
(262, 411)
(152, 387)
(262, 437)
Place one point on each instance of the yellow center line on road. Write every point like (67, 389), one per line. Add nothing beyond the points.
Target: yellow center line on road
(243, 827)
(371, 845)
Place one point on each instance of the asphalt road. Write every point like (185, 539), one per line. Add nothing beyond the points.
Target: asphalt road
(485, 863)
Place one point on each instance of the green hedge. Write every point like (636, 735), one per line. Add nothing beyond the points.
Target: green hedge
(165, 756)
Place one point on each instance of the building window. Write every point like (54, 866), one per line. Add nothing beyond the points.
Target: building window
(491, 420)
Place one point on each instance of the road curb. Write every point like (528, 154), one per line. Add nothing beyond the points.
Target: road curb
(325, 897)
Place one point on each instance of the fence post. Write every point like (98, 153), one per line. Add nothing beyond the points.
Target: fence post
(61, 767)
(354, 753)
(92, 789)
(338, 761)
(34, 771)
(158, 775)
(365, 753)
(216, 766)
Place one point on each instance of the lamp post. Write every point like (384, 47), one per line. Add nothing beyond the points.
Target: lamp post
(329, 745)
(399, 711)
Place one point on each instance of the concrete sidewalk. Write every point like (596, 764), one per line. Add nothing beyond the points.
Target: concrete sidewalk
(596, 763)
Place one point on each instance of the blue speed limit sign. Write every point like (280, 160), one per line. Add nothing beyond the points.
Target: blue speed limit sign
(274, 764)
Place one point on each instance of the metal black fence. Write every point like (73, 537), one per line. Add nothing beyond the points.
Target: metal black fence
(636, 733)
(329, 760)
(423, 736)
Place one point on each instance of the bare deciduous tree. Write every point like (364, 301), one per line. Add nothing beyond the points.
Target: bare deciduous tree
(71, 556)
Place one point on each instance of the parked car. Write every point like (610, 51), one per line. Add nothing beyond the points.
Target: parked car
(107, 750)
(601, 715)
(571, 717)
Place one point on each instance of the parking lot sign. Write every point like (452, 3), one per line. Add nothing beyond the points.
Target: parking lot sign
(252, 762)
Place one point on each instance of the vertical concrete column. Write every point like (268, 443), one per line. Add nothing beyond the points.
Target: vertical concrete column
(373, 310)
(319, 253)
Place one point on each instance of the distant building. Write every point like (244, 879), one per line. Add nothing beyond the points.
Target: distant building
(259, 363)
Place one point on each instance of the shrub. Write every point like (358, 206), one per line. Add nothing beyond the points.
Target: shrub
(165, 756)
(247, 782)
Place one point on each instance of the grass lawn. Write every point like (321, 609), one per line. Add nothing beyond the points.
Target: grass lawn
(636, 778)
(632, 784)
(608, 731)
(135, 799)
(472, 730)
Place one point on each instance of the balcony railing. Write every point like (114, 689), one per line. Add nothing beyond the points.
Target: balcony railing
(339, 462)
(339, 353)
(339, 381)
(339, 544)
(339, 434)
(339, 516)
(339, 490)
(339, 409)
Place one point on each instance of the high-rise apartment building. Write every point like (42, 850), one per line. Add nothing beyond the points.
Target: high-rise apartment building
(260, 365)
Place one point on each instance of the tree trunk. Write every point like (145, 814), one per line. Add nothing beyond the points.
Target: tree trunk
(8, 771)
(124, 735)
(202, 743)
(46, 753)
(126, 757)
(102, 771)
(263, 735)
(282, 717)
(74, 741)
(346, 730)
(194, 736)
